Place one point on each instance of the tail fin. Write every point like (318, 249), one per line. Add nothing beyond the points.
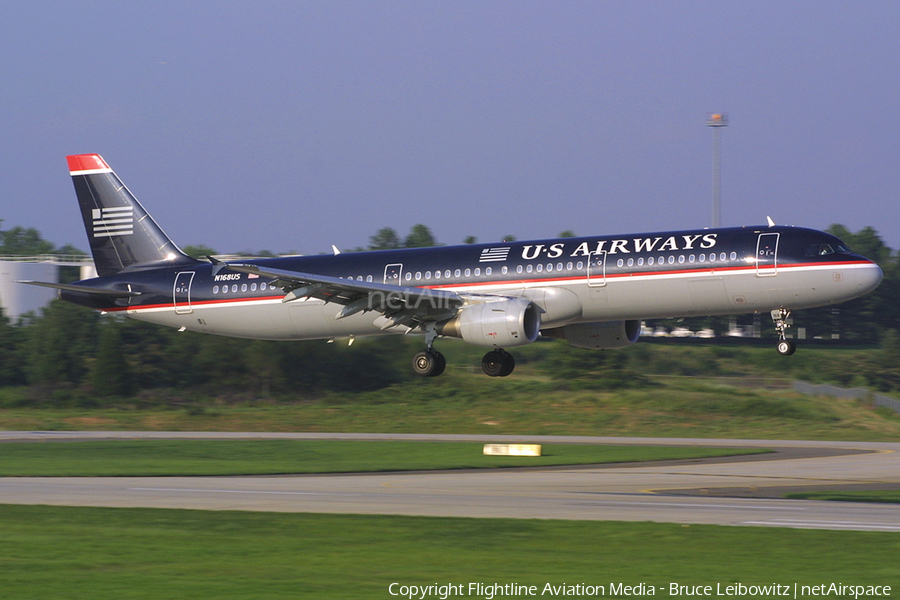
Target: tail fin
(121, 233)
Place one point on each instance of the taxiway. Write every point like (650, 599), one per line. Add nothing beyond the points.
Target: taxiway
(736, 491)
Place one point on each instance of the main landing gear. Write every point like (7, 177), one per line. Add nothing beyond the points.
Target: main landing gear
(785, 346)
(431, 363)
(498, 363)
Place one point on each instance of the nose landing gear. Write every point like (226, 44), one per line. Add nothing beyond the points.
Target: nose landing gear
(785, 346)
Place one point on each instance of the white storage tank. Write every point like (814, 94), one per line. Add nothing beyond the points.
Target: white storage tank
(19, 298)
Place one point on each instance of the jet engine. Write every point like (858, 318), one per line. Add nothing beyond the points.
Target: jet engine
(598, 336)
(501, 323)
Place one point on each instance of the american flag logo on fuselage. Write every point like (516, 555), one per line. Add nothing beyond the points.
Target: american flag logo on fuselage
(494, 254)
(113, 221)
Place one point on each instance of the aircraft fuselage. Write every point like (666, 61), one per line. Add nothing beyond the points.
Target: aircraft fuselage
(604, 278)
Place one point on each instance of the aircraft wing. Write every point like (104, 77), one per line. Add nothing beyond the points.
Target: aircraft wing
(400, 305)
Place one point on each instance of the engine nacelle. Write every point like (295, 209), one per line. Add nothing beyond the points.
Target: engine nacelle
(598, 336)
(496, 324)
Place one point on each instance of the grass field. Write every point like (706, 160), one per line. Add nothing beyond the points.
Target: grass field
(889, 496)
(267, 457)
(99, 553)
(527, 404)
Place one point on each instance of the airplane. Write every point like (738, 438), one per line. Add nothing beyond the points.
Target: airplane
(591, 291)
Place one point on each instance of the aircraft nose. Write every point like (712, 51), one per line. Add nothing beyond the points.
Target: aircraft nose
(869, 277)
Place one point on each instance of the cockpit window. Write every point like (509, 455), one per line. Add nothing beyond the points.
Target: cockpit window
(826, 249)
(819, 250)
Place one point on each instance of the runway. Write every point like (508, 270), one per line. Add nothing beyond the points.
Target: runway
(723, 492)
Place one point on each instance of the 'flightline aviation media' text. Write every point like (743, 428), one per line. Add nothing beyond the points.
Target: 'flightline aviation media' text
(490, 591)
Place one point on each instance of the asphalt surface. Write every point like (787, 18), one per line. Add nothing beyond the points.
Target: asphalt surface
(742, 491)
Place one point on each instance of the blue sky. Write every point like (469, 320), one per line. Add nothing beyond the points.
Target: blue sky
(291, 126)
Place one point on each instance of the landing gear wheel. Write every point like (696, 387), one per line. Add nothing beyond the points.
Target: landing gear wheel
(786, 347)
(498, 363)
(441, 364)
(429, 363)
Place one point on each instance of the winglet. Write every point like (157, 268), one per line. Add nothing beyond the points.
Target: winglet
(770, 221)
(335, 250)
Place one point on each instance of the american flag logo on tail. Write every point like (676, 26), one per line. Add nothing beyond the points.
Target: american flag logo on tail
(113, 221)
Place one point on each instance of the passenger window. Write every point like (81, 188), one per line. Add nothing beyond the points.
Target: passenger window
(580, 265)
(418, 275)
(549, 267)
(691, 258)
(661, 259)
(734, 256)
(215, 289)
(427, 274)
(529, 268)
(702, 258)
(641, 262)
(518, 268)
(712, 256)
(468, 272)
(681, 259)
(477, 272)
(620, 263)
(630, 262)
(539, 268)
(262, 286)
(559, 266)
(244, 287)
(408, 276)
(650, 261)
(457, 273)
(722, 256)
(369, 278)
(437, 275)
(447, 273)
(569, 266)
(253, 287)
(234, 288)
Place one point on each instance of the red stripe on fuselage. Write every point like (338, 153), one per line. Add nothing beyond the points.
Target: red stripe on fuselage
(515, 282)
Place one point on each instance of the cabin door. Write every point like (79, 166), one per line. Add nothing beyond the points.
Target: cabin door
(181, 295)
(767, 254)
(596, 269)
(392, 273)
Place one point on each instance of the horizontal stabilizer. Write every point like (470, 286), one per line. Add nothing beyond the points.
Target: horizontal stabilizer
(83, 289)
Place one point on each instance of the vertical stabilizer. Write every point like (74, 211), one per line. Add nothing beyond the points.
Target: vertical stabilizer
(121, 233)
